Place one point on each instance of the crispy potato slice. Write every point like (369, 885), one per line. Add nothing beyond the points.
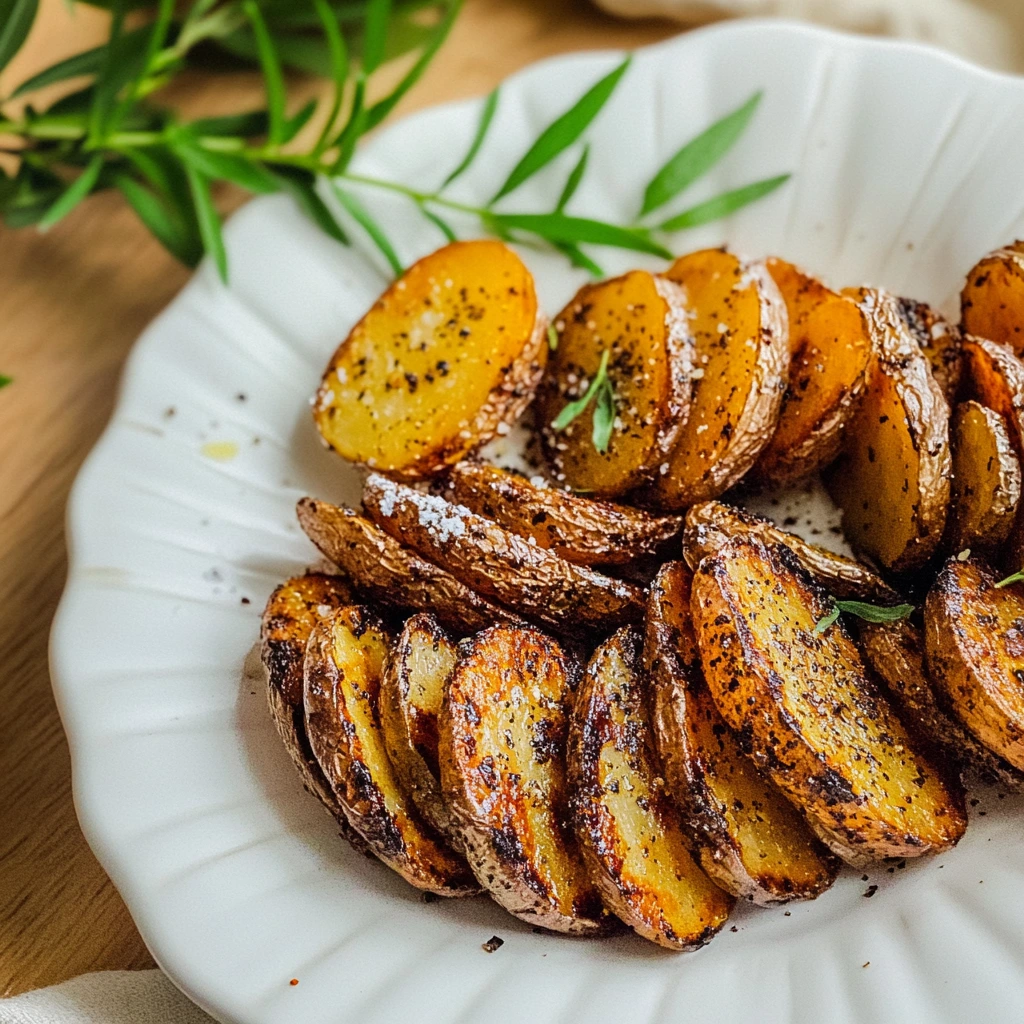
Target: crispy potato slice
(747, 835)
(391, 574)
(641, 322)
(344, 661)
(994, 376)
(292, 610)
(740, 327)
(992, 300)
(895, 652)
(831, 348)
(502, 751)
(499, 564)
(629, 833)
(580, 530)
(807, 713)
(986, 479)
(939, 340)
(974, 639)
(892, 478)
(449, 353)
(411, 692)
(711, 523)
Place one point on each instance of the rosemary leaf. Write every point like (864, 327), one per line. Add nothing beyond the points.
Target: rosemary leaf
(603, 418)
(365, 219)
(552, 338)
(563, 132)
(108, 80)
(273, 79)
(443, 226)
(253, 177)
(301, 185)
(559, 227)
(16, 17)
(826, 621)
(865, 611)
(572, 183)
(153, 212)
(578, 407)
(486, 116)
(378, 13)
(73, 194)
(245, 126)
(1015, 578)
(294, 124)
(339, 68)
(723, 204)
(578, 258)
(208, 219)
(698, 156)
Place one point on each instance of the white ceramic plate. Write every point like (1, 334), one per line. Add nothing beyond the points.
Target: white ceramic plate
(908, 168)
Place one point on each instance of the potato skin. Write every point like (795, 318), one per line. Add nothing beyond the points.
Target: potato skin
(451, 351)
(736, 400)
(939, 340)
(831, 349)
(974, 638)
(748, 838)
(710, 524)
(570, 598)
(411, 690)
(341, 701)
(992, 300)
(892, 479)
(291, 613)
(986, 480)
(580, 530)
(502, 752)
(808, 715)
(641, 321)
(629, 833)
(391, 574)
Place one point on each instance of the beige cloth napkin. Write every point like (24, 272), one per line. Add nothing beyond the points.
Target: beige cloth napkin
(989, 32)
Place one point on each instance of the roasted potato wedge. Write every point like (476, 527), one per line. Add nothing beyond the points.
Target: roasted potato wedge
(892, 477)
(635, 329)
(502, 751)
(986, 479)
(974, 638)
(741, 332)
(449, 353)
(292, 610)
(411, 692)
(580, 530)
(808, 715)
(831, 348)
(628, 831)
(391, 574)
(490, 559)
(343, 665)
(895, 652)
(994, 376)
(940, 342)
(711, 524)
(746, 834)
(992, 301)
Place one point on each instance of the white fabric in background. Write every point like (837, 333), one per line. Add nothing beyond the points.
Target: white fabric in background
(989, 32)
(107, 997)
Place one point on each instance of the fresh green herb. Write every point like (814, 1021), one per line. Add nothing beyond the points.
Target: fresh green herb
(601, 392)
(865, 611)
(5, 380)
(1015, 578)
(552, 338)
(112, 132)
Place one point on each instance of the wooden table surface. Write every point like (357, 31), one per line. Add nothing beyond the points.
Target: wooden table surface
(71, 304)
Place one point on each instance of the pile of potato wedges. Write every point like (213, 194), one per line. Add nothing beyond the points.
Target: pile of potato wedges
(605, 697)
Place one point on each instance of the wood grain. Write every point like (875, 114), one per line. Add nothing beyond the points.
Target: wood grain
(71, 304)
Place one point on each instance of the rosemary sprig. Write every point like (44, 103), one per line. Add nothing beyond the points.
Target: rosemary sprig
(862, 610)
(1014, 578)
(601, 392)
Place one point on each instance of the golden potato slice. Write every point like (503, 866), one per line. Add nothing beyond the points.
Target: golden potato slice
(411, 691)
(740, 327)
(580, 530)
(628, 832)
(449, 353)
(940, 342)
(986, 479)
(711, 523)
(830, 358)
(636, 327)
(807, 713)
(892, 478)
(391, 574)
(292, 610)
(747, 835)
(895, 652)
(502, 751)
(992, 301)
(974, 639)
(497, 563)
(344, 661)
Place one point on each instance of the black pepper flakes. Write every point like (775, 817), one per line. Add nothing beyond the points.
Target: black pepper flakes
(492, 944)
(870, 891)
